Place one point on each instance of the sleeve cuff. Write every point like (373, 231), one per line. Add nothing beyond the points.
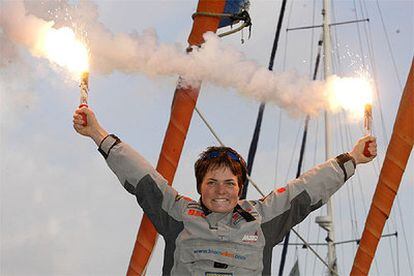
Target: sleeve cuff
(107, 144)
(347, 163)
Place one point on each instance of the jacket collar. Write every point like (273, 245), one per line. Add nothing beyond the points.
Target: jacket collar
(238, 209)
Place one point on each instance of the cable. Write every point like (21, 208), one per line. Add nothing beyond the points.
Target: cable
(383, 121)
(314, 252)
(256, 134)
(277, 146)
(389, 45)
(359, 35)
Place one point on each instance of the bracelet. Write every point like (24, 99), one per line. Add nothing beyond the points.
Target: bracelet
(342, 159)
(100, 144)
(117, 141)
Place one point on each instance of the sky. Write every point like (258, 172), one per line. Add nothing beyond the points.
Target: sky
(63, 212)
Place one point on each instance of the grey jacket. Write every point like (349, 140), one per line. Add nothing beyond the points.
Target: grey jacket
(199, 242)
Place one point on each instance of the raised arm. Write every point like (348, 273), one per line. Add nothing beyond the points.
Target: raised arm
(160, 202)
(287, 206)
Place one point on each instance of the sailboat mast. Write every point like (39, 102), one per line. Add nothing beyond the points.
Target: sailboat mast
(328, 220)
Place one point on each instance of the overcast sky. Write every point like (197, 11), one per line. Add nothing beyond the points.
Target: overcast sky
(63, 212)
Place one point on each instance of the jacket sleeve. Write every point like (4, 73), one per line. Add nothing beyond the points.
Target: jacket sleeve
(285, 207)
(160, 202)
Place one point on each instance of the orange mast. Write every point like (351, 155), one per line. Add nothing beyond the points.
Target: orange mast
(181, 112)
(395, 161)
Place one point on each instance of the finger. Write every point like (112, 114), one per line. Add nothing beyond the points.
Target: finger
(76, 116)
(77, 128)
(79, 122)
(82, 110)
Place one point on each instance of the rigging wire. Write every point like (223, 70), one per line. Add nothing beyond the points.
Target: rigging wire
(405, 236)
(359, 35)
(308, 226)
(302, 150)
(359, 181)
(313, 162)
(334, 41)
(389, 45)
(301, 157)
(398, 255)
(310, 74)
(383, 123)
(203, 118)
(368, 38)
(340, 211)
(278, 146)
(290, 166)
(350, 138)
(401, 88)
(252, 182)
(312, 39)
(339, 66)
(280, 110)
(354, 226)
(314, 252)
(256, 134)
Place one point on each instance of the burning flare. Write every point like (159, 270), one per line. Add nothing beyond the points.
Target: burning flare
(351, 94)
(62, 47)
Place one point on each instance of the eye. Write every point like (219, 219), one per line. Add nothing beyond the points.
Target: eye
(211, 183)
(231, 184)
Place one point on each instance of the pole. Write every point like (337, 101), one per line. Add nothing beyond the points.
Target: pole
(181, 113)
(327, 221)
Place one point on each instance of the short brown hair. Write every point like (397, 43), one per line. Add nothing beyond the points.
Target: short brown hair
(217, 157)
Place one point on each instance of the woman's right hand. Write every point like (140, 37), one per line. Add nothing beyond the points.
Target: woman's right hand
(91, 127)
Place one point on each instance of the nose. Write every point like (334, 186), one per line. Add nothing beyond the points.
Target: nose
(221, 189)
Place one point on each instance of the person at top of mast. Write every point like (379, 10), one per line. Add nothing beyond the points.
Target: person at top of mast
(220, 234)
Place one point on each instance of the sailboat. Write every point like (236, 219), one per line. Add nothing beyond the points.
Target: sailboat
(95, 226)
(354, 227)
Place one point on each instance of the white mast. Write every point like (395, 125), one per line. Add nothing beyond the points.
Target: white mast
(326, 222)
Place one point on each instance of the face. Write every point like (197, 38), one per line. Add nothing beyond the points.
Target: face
(219, 190)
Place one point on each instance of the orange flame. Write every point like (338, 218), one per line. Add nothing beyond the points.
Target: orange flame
(351, 94)
(62, 47)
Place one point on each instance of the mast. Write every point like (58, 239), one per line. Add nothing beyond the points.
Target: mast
(326, 222)
(181, 112)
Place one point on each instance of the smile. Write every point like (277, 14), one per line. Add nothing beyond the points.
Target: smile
(220, 200)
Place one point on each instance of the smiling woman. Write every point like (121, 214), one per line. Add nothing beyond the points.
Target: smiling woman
(202, 237)
(219, 190)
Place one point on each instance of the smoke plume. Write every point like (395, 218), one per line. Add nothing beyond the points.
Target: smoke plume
(142, 53)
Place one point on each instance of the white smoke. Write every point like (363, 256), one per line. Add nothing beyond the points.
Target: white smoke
(142, 53)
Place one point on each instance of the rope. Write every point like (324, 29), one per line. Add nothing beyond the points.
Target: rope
(235, 18)
(314, 252)
(300, 162)
(384, 131)
(389, 46)
(258, 189)
(256, 134)
(203, 118)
